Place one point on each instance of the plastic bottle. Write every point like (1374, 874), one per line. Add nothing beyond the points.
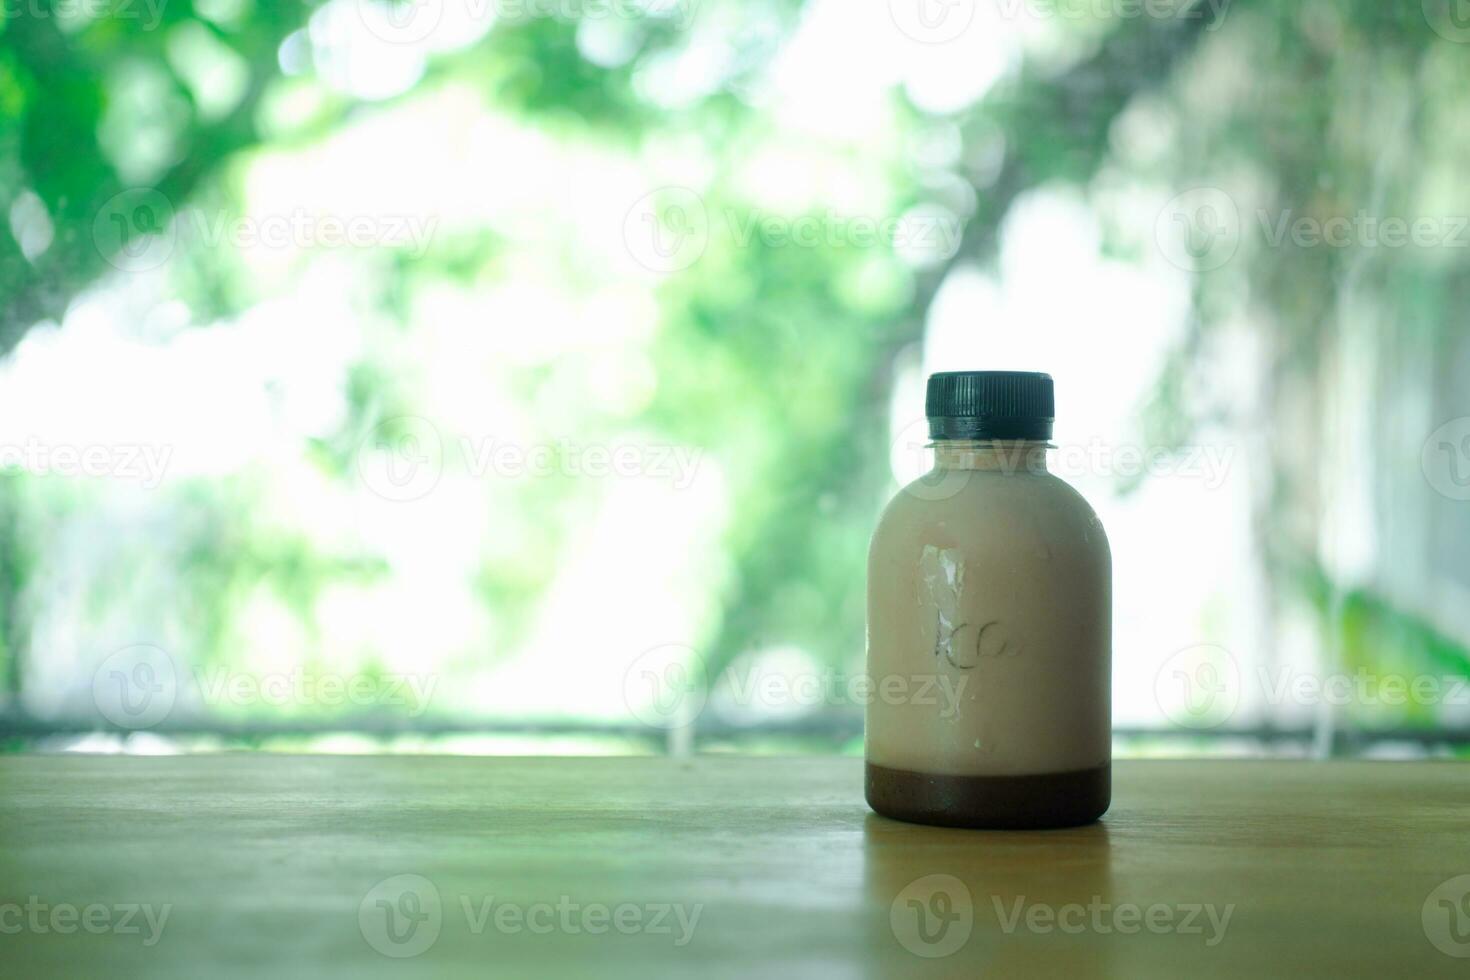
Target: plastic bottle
(989, 624)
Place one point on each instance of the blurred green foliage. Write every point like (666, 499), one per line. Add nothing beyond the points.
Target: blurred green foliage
(777, 360)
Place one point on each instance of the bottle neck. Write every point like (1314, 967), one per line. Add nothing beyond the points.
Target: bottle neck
(1003, 455)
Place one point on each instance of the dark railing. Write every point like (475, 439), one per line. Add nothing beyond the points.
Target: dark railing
(836, 729)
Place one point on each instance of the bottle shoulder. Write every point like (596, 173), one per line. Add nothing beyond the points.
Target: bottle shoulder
(1016, 508)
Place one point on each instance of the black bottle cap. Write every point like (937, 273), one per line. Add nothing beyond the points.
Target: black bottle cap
(985, 405)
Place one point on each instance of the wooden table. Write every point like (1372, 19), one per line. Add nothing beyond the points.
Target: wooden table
(295, 866)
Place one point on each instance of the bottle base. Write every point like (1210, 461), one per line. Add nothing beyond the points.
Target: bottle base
(1049, 801)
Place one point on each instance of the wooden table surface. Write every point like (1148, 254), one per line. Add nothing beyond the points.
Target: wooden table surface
(716, 867)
